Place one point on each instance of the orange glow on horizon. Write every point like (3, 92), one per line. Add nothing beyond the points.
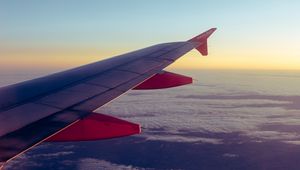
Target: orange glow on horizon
(49, 59)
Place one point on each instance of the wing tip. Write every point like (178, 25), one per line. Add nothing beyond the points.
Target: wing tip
(203, 36)
(200, 41)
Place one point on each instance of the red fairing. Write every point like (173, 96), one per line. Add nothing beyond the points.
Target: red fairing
(164, 80)
(96, 127)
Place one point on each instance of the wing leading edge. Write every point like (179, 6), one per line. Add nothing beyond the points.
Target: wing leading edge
(66, 100)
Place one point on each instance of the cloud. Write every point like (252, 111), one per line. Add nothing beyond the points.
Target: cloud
(210, 115)
(29, 159)
(170, 111)
(22, 162)
(294, 142)
(230, 155)
(56, 154)
(96, 164)
(273, 135)
(287, 102)
(182, 139)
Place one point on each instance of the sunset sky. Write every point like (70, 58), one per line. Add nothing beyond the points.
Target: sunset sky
(66, 33)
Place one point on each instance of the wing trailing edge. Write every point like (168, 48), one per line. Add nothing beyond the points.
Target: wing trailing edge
(201, 41)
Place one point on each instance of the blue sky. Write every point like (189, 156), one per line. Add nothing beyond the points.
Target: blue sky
(248, 31)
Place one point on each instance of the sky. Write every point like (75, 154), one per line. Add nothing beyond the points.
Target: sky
(59, 34)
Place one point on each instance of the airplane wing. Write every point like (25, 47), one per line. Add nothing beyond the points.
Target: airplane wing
(59, 107)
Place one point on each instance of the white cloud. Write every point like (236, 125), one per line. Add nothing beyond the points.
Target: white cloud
(96, 164)
(230, 155)
(273, 135)
(56, 154)
(216, 108)
(178, 138)
(164, 110)
(294, 142)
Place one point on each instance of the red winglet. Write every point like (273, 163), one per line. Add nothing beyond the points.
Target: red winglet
(164, 80)
(96, 127)
(201, 41)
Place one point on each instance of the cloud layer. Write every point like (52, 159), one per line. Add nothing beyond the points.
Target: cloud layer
(220, 124)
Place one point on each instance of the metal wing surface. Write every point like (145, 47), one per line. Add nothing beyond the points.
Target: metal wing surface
(36, 110)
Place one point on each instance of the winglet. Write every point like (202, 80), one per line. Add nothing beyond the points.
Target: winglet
(201, 41)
